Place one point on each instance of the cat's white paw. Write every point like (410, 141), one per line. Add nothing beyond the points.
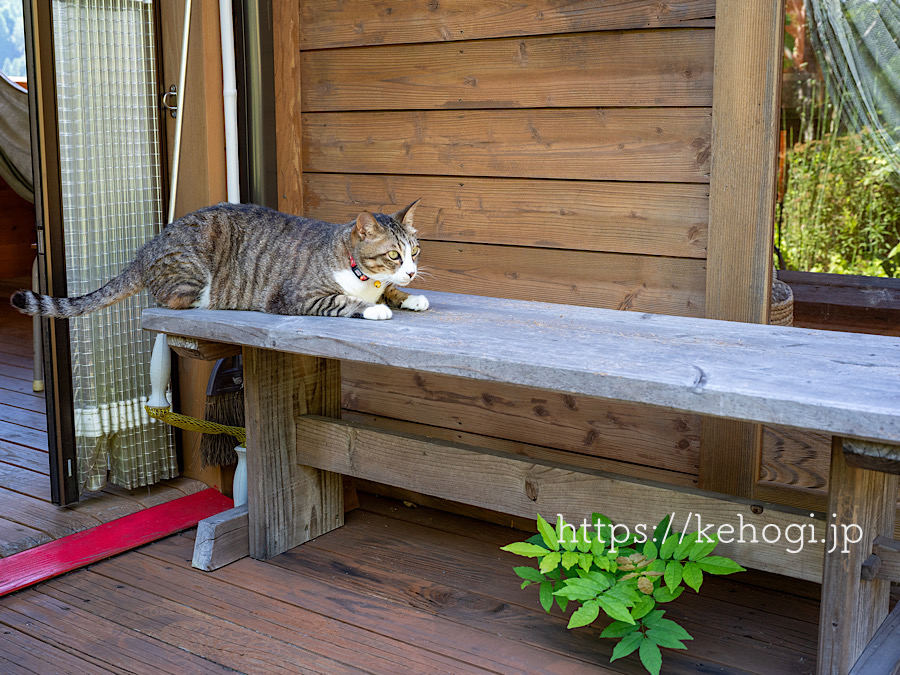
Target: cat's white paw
(415, 303)
(377, 313)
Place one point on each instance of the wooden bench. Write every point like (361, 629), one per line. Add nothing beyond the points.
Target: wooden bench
(845, 385)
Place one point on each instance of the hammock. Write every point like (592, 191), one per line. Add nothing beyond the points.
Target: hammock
(858, 44)
(15, 139)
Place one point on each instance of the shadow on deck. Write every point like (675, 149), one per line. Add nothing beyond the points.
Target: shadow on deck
(397, 590)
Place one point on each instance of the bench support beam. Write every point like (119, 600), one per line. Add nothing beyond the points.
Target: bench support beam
(288, 503)
(852, 608)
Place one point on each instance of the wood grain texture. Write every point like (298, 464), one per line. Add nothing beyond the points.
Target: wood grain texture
(746, 117)
(288, 96)
(360, 22)
(853, 609)
(642, 218)
(222, 539)
(730, 456)
(288, 503)
(577, 424)
(526, 487)
(631, 69)
(746, 371)
(540, 452)
(888, 550)
(670, 145)
(588, 279)
(883, 653)
(201, 349)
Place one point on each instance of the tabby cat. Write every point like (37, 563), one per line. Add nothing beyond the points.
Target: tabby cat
(243, 256)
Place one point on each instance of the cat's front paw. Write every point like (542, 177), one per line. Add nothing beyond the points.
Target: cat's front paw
(377, 313)
(415, 303)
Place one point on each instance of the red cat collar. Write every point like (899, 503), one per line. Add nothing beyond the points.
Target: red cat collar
(358, 272)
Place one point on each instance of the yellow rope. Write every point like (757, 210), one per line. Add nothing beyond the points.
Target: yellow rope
(193, 424)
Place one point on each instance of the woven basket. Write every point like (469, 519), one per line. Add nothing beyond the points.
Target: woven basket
(782, 311)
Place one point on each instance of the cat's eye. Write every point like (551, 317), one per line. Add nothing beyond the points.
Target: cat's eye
(415, 251)
(393, 255)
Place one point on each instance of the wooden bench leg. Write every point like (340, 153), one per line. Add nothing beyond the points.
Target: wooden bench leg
(861, 506)
(288, 503)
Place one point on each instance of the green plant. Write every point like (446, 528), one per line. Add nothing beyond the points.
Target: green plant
(625, 579)
(840, 212)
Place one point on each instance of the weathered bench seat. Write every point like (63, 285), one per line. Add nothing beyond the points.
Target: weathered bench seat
(842, 383)
(845, 385)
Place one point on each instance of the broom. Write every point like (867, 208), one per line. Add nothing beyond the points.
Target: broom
(224, 405)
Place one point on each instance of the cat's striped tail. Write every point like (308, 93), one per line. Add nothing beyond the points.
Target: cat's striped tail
(126, 284)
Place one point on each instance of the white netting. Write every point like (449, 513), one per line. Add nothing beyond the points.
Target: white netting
(858, 44)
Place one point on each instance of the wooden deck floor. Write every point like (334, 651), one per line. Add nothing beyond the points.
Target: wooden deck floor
(396, 590)
(27, 517)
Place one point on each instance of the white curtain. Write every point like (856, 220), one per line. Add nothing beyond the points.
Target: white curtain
(110, 169)
(858, 44)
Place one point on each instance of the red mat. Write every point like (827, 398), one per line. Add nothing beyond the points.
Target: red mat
(117, 536)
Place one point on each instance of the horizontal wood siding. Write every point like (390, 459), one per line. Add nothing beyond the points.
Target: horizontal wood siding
(639, 283)
(361, 22)
(637, 218)
(642, 144)
(635, 68)
(561, 152)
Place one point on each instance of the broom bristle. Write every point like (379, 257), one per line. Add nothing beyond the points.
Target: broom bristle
(218, 449)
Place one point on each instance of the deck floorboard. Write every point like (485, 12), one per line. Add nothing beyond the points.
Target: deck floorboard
(397, 589)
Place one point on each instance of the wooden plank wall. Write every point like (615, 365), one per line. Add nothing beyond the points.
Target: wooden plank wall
(561, 152)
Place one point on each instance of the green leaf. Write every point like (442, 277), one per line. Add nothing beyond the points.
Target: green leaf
(583, 540)
(660, 530)
(546, 595)
(627, 645)
(643, 607)
(585, 561)
(625, 591)
(615, 609)
(668, 547)
(598, 547)
(550, 561)
(529, 574)
(684, 545)
(663, 639)
(672, 577)
(718, 565)
(702, 548)
(584, 615)
(665, 595)
(562, 531)
(537, 540)
(651, 657)
(619, 629)
(548, 534)
(653, 618)
(693, 575)
(580, 589)
(569, 559)
(525, 549)
(650, 549)
(671, 628)
(562, 602)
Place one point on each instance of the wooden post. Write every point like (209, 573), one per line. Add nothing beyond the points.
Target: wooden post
(288, 503)
(861, 506)
(743, 167)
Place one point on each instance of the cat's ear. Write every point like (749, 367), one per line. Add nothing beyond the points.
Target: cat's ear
(366, 225)
(405, 216)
